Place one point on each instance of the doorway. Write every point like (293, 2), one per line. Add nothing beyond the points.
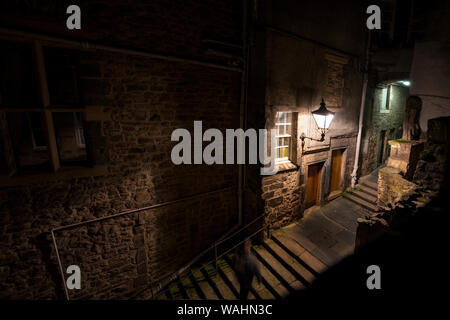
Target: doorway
(313, 184)
(381, 148)
(336, 169)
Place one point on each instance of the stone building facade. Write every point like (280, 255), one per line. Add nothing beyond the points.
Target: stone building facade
(385, 108)
(297, 67)
(143, 70)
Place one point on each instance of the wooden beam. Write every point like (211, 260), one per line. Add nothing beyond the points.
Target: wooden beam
(45, 102)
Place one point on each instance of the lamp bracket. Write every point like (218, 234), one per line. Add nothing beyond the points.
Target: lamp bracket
(322, 137)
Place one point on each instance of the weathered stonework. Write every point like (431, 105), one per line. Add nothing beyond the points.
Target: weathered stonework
(393, 187)
(283, 198)
(376, 120)
(404, 156)
(399, 198)
(134, 103)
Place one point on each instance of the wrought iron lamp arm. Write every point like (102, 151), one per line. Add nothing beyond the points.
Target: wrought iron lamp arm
(303, 137)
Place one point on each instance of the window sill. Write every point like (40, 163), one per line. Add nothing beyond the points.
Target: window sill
(43, 177)
(287, 166)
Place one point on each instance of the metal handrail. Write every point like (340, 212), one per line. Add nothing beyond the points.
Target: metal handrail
(115, 216)
(205, 263)
(174, 275)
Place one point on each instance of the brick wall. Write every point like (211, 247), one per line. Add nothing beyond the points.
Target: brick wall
(144, 100)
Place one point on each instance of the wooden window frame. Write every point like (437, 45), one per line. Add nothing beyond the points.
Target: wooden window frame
(47, 109)
(287, 159)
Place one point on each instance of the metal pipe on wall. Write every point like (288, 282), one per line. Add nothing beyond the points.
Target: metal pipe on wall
(85, 45)
(354, 174)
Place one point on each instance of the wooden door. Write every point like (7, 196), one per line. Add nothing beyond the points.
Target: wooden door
(381, 147)
(313, 184)
(336, 169)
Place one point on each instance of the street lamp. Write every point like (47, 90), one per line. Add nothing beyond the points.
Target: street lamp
(323, 118)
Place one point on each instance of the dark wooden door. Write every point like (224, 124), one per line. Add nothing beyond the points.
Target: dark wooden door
(381, 147)
(313, 184)
(336, 169)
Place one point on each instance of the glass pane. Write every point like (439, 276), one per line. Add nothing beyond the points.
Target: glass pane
(288, 129)
(288, 117)
(17, 77)
(70, 138)
(28, 139)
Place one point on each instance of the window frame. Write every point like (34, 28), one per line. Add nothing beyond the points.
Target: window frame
(385, 103)
(44, 106)
(283, 160)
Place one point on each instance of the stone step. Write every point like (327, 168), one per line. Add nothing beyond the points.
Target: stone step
(272, 283)
(197, 288)
(285, 267)
(259, 291)
(294, 250)
(364, 196)
(368, 190)
(202, 282)
(297, 269)
(367, 205)
(221, 289)
(369, 184)
(304, 257)
(190, 288)
(278, 270)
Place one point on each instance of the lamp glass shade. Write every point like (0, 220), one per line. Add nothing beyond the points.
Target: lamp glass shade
(323, 116)
(323, 121)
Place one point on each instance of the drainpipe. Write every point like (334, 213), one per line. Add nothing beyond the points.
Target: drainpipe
(243, 111)
(361, 113)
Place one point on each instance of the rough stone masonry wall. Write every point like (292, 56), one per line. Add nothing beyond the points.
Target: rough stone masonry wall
(399, 198)
(283, 198)
(376, 121)
(146, 99)
(298, 87)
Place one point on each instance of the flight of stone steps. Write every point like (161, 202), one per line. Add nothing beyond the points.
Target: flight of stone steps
(364, 194)
(284, 264)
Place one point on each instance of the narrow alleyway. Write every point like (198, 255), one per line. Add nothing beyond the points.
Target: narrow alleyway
(291, 260)
(327, 232)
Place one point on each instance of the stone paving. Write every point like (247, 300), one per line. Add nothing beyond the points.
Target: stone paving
(328, 232)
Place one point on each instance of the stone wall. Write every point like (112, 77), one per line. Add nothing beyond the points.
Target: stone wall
(140, 102)
(400, 199)
(393, 187)
(283, 198)
(432, 169)
(296, 74)
(375, 120)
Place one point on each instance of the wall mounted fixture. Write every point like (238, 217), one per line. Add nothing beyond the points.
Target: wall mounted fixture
(323, 118)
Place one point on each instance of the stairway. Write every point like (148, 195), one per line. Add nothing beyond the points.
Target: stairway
(364, 194)
(284, 264)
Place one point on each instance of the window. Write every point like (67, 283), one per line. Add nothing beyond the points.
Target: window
(386, 98)
(40, 106)
(284, 136)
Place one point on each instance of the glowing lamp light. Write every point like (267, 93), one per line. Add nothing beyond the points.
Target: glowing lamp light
(406, 83)
(323, 118)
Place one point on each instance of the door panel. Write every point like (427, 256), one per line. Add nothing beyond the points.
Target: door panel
(336, 169)
(313, 184)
